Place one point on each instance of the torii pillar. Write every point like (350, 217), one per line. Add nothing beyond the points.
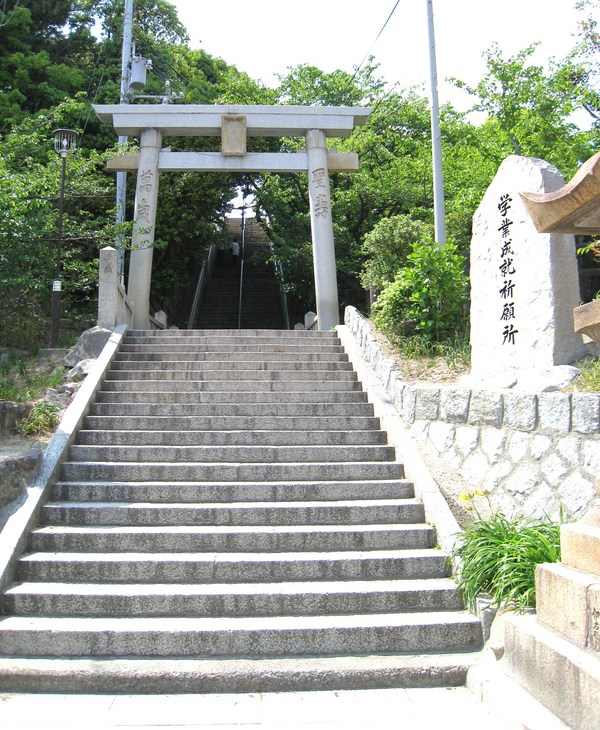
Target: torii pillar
(142, 241)
(321, 223)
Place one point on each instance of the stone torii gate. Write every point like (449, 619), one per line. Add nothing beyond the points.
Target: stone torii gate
(234, 124)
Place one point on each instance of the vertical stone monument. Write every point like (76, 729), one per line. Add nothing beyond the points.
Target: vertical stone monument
(524, 286)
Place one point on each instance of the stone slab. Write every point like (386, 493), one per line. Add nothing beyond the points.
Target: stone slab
(580, 547)
(562, 598)
(565, 678)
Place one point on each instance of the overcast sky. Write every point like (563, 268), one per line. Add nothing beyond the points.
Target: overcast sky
(265, 37)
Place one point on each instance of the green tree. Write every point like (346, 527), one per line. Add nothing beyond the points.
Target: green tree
(532, 106)
(29, 188)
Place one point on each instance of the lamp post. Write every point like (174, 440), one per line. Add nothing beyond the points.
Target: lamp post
(65, 141)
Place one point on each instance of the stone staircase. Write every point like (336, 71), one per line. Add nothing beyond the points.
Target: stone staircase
(231, 519)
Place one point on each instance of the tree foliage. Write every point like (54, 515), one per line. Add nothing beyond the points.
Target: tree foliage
(380, 213)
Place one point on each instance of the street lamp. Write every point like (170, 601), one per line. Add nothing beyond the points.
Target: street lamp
(65, 141)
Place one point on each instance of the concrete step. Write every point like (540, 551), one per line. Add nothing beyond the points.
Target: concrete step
(233, 335)
(248, 636)
(196, 372)
(564, 677)
(229, 438)
(262, 491)
(289, 349)
(354, 512)
(231, 367)
(223, 472)
(280, 388)
(148, 395)
(232, 409)
(238, 599)
(236, 538)
(144, 675)
(232, 422)
(237, 454)
(309, 359)
(140, 567)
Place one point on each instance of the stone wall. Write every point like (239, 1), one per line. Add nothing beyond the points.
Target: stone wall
(536, 453)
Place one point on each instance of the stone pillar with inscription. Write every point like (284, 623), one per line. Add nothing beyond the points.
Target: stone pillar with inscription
(328, 313)
(524, 286)
(142, 241)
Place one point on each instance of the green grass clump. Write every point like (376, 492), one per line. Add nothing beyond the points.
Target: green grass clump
(43, 418)
(22, 382)
(588, 380)
(497, 556)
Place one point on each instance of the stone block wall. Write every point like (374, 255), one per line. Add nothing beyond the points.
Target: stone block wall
(536, 453)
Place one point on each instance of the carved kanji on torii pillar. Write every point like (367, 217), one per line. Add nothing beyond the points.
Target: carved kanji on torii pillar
(234, 124)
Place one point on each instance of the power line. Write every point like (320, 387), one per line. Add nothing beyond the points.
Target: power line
(368, 53)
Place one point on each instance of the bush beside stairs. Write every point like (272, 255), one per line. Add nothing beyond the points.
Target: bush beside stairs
(231, 519)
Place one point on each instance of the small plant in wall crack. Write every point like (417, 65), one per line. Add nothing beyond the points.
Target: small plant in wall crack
(497, 556)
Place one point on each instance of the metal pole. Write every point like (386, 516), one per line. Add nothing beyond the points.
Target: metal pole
(122, 176)
(56, 284)
(439, 206)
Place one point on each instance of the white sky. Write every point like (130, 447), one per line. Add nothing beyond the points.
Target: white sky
(265, 37)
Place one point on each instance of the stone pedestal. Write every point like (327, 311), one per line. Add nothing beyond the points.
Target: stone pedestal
(524, 285)
(556, 654)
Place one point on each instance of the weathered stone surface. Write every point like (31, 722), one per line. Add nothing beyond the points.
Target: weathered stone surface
(580, 547)
(493, 441)
(554, 411)
(11, 413)
(561, 598)
(81, 370)
(89, 345)
(520, 411)
(427, 403)
(518, 446)
(586, 412)
(523, 480)
(409, 398)
(454, 404)
(591, 458)
(539, 446)
(554, 470)
(16, 472)
(467, 438)
(524, 284)
(441, 435)
(485, 408)
(474, 469)
(568, 448)
(541, 504)
(576, 494)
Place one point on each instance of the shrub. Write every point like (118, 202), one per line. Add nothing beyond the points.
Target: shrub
(497, 556)
(387, 247)
(428, 295)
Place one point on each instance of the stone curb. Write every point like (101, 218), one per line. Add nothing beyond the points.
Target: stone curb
(14, 535)
(437, 511)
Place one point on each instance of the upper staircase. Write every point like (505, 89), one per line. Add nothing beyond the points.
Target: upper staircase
(261, 305)
(231, 519)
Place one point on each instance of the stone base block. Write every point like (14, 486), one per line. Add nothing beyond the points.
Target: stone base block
(580, 547)
(568, 601)
(563, 677)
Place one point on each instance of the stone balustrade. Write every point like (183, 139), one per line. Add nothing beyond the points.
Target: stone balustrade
(536, 453)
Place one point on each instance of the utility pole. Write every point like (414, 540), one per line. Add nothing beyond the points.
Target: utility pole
(122, 176)
(439, 205)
